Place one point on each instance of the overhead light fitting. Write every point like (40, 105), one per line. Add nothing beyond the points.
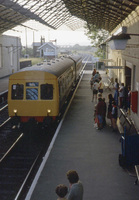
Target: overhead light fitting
(118, 42)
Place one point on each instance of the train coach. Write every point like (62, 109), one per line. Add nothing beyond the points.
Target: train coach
(39, 92)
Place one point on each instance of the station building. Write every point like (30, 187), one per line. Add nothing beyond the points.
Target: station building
(123, 62)
(10, 48)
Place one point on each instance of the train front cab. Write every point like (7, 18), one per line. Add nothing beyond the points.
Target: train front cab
(33, 95)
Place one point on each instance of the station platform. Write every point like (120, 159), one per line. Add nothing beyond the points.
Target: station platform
(92, 153)
(4, 84)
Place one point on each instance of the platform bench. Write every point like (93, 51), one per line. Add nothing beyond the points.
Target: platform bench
(126, 122)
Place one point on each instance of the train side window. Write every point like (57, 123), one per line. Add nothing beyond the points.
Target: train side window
(32, 93)
(46, 91)
(17, 91)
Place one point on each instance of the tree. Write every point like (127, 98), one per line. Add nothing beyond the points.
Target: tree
(28, 51)
(97, 37)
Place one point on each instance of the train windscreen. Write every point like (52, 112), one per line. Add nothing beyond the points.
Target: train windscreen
(31, 93)
(46, 91)
(32, 90)
(17, 91)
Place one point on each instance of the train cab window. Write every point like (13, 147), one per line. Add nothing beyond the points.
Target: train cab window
(46, 91)
(32, 93)
(17, 91)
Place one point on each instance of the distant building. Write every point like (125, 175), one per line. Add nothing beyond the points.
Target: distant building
(36, 52)
(48, 50)
(65, 52)
(36, 45)
(10, 48)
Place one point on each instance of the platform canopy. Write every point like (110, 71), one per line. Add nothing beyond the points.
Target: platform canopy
(105, 14)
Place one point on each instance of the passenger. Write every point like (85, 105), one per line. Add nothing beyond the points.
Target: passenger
(61, 191)
(94, 72)
(76, 187)
(121, 95)
(114, 116)
(99, 112)
(95, 117)
(97, 76)
(116, 93)
(104, 112)
(129, 100)
(95, 90)
(91, 82)
(99, 95)
(101, 85)
(109, 113)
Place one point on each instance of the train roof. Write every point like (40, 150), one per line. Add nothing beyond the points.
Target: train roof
(56, 67)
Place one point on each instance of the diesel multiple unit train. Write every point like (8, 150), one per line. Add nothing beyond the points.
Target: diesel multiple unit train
(39, 92)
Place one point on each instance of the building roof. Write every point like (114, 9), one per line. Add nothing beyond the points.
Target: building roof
(49, 44)
(105, 14)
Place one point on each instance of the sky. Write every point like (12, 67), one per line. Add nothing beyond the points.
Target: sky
(63, 35)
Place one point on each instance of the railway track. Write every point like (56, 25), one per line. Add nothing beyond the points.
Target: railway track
(20, 154)
(4, 117)
(17, 165)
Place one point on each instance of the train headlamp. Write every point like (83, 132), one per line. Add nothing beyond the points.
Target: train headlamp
(48, 111)
(15, 111)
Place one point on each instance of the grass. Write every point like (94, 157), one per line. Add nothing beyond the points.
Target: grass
(33, 60)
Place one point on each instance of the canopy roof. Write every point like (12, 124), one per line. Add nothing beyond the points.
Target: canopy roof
(105, 14)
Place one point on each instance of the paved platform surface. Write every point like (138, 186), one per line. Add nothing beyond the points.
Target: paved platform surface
(93, 153)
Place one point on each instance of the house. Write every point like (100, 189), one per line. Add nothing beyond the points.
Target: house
(48, 50)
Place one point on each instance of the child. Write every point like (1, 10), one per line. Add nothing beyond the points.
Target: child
(61, 191)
